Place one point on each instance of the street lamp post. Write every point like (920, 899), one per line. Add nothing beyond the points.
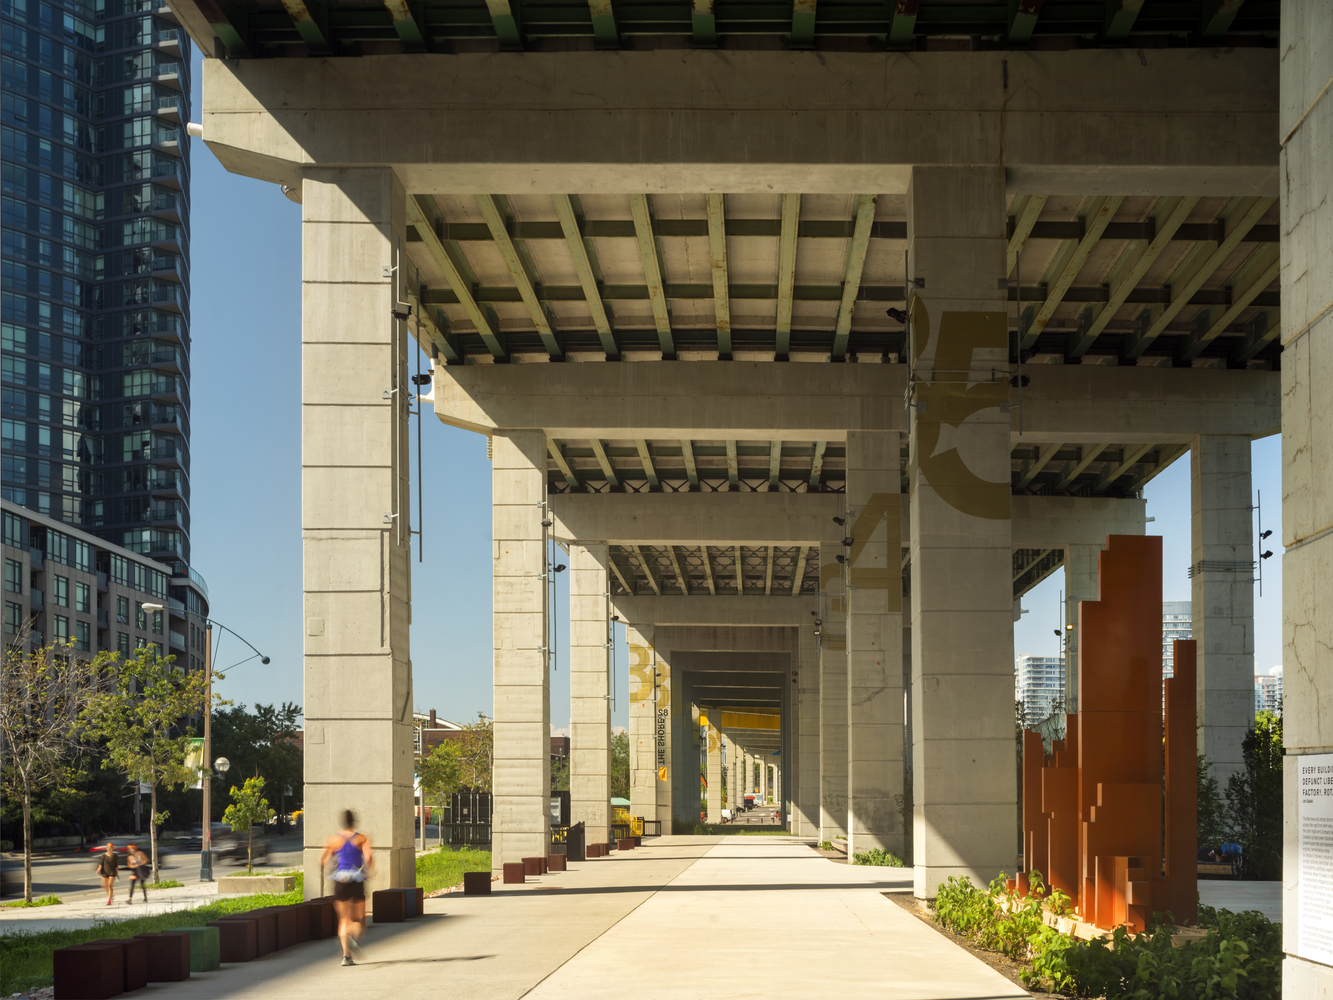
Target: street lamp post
(206, 837)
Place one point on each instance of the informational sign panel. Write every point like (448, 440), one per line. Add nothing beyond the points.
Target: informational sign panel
(1314, 934)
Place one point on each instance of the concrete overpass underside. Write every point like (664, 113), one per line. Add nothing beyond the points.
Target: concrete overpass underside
(818, 336)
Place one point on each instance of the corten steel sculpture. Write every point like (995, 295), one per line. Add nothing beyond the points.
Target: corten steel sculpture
(1092, 808)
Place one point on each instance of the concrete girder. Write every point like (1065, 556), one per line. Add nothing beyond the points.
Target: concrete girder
(763, 401)
(724, 610)
(584, 259)
(1067, 266)
(1188, 121)
(757, 520)
(791, 220)
(756, 640)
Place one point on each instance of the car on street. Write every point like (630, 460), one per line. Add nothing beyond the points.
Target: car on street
(232, 846)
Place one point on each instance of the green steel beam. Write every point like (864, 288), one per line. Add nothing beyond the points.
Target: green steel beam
(740, 572)
(1026, 210)
(1069, 261)
(647, 570)
(708, 570)
(1043, 457)
(1170, 214)
(407, 22)
(791, 220)
(703, 24)
(1217, 18)
(717, 252)
(604, 31)
(903, 22)
(817, 464)
(652, 271)
(583, 265)
(505, 22)
(1164, 459)
(851, 282)
(230, 21)
(803, 24)
(733, 467)
(1131, 459)
(691, 470)
(311, 25)
(680, 577)
(608, 469)
(1242, 214)
(798, 575)
(433, 325)
(621, 575)
(649, 470)
(562, 463)
(1255, 275)
(1264, 329)
(1023, 16)
(1073, 469)
(768, 574)
(1120, 18)
(420, 212)
(774, 464)
(495, 215)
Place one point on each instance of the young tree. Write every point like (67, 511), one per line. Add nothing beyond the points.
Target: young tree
(620, 765)
(1254, 797)
(43, 694)
(249, 808)
(440, 773)
(259, 742)
(477, 753)
(140, 716)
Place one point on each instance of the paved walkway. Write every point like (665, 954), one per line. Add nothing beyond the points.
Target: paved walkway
(1266, 897)
(742, 916)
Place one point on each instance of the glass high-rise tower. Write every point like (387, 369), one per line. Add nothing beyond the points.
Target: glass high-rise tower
(96, 305)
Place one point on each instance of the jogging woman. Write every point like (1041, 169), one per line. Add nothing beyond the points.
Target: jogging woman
(108, 866)
(350, 853)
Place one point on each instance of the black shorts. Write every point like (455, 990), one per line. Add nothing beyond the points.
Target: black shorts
(354, 892)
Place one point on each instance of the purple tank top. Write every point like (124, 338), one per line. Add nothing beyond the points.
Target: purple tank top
(350, 861)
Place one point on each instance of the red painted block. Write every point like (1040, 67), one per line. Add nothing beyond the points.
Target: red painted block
(168, 956)
(92, 971)
(625, 844)
(323, 919)
(387, 906)
(476, 883)
(556, 863)
(236, 940)
(513, 873)
(136, 961)
(532, 866)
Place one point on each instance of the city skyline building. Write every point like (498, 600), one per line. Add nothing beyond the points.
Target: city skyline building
(96, 278)
(1177, 623)
(1039, 683)
(1268, 691)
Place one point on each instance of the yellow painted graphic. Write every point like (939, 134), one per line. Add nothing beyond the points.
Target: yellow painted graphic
(879, 508)
(951, 397)
(750, 720)
(661, 774)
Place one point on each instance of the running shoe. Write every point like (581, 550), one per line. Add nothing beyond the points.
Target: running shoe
(347, 960)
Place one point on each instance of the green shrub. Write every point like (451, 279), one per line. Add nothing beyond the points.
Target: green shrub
(825, 845)
(878, 856)
(168, 883)
(47, 900)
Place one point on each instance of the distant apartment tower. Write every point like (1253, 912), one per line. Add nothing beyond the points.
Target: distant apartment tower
(1039, 683)
(1268, 691)
(1177, 623)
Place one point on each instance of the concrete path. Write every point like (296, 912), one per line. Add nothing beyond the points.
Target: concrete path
(88, 908)
(742, 916)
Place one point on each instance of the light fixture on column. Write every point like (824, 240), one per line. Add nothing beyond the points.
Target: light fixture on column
(839, 521)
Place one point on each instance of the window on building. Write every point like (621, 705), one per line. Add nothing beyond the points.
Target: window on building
(82, 635)
(13, 618)
(60, 591)
(157, 622)
(140, 617)
(62, 633)
(82, 598)
(123, 643)
(14, 576)
(122, 610)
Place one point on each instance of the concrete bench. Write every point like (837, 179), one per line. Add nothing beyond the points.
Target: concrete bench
(91, 971)
(388, 906)
(236, 940)
(476, 883)
(168, 956)
(136, 961)
(514, 872)
(205, 951)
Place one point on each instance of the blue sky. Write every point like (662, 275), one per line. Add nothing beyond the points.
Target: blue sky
(246, 468)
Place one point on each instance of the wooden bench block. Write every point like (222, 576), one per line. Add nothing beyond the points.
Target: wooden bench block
(266, 930)
(168, 956)
(323, 918)
(388, 906)
(513, 873)
(532, 866)
(625, 844)
(136, 961)
(421, 901)
(91, 971)
(476, 883)
(556, 863)
(236, 940)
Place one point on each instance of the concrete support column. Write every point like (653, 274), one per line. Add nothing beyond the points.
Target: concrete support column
(806, 804)
(589, 690)
(684, 769)
(714, 751)
(962, 568)
(1306, 122)
(1080, 585)
(747, 786)
(874, 643)
(1222, 594)
(763, 779)
(522, 781)
(832, 696)
(649, 728)
(354, 520)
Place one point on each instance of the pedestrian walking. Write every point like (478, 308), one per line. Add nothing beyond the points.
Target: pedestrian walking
(108, 866)
(351, 854)
(137, 862)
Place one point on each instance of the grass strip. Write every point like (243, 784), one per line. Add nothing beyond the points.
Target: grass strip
(25, 958)
(444, 867)
(47, 900)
